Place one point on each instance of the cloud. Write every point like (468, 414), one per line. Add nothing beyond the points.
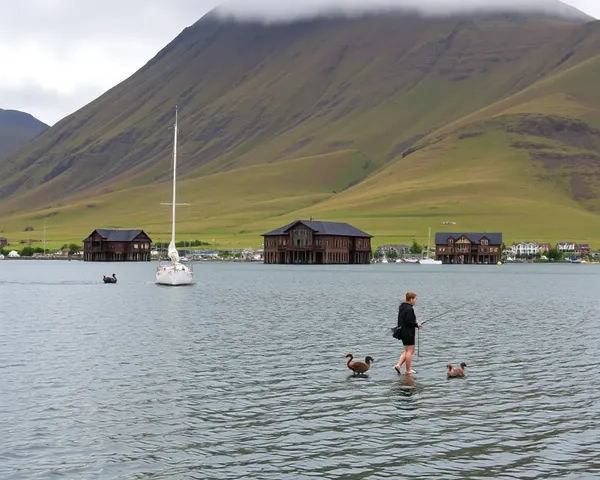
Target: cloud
(58, 55)
(280, 11)
(31, 96)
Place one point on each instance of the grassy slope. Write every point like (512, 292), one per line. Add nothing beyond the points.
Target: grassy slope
(212, 213)
(362, 108)
(484, 182)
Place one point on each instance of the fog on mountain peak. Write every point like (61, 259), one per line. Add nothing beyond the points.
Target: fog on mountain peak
(276, 10)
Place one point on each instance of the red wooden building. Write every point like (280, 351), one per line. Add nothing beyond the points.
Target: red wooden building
(117, 246)
(312, 242)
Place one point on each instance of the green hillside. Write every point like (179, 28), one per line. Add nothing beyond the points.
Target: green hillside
(393, 123)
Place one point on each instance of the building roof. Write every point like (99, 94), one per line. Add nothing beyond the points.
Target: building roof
(321, 228)
(118, 235)
(494, 238)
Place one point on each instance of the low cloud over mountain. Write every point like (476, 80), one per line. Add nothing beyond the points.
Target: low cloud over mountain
(278, 11)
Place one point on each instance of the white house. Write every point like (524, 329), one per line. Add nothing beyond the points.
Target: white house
(566, 247)
(525, 249)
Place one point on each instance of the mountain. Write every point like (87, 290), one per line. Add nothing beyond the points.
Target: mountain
(392, 122)
(16, 129)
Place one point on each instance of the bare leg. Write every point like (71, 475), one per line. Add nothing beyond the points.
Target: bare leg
(401, 361)
(409, 354)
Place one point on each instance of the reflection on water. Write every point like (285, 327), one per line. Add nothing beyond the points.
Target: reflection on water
(244, 374)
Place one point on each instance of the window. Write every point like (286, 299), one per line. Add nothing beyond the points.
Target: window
(136, 246)
(300, 237)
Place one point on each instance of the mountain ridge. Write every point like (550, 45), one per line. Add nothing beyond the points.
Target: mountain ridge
(17, 128)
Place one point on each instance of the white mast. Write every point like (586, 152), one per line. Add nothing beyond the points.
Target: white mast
(428, 241)
(176, 273)
(174, 177)
(172, 250)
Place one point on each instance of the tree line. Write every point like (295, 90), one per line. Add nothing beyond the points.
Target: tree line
(29, 251)
(182, 244)
(392, 254)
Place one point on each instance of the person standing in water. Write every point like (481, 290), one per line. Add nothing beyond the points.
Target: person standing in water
(407, 321)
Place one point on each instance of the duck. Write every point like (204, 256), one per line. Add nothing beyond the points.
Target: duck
(357, 366)
(112, 279)
(457, 372)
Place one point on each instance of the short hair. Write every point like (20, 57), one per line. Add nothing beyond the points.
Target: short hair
(410, 296)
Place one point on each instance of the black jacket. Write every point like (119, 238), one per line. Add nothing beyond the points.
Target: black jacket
(407, 320)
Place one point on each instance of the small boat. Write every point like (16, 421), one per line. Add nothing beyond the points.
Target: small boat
(112, 279)
(426, 260)
(410, 260)
(429, 261)
(174, 273)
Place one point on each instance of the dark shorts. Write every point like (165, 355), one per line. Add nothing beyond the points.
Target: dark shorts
(408, 340)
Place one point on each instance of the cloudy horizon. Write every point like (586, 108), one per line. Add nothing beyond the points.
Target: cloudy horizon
(63, 57)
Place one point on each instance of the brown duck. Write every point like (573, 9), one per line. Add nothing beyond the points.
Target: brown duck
(457, 372)
(358, 366)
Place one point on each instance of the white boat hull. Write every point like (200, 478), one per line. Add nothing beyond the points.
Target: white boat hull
(174, 275)
(428, 261)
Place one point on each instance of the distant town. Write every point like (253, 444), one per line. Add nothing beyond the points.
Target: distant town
(516, 253)
(311, 242)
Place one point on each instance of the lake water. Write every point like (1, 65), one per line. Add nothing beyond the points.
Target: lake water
(243, 375)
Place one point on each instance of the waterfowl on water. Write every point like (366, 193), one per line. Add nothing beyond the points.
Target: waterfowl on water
(112, 279)
(457, 372)
(358, 366)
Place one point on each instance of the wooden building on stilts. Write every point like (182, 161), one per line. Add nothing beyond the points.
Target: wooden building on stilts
(313, 242)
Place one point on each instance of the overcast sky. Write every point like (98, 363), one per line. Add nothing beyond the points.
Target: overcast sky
(58, 55)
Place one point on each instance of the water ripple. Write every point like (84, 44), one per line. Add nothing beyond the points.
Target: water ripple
(243, 375)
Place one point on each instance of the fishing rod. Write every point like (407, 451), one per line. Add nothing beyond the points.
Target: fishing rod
(437, 316)
(444, 313)
(432, 318)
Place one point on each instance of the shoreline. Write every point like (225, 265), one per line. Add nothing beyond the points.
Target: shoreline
(237, 260)
(62, 259)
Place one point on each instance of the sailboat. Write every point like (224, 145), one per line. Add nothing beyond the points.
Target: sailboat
(426, 260)
(174, 272)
